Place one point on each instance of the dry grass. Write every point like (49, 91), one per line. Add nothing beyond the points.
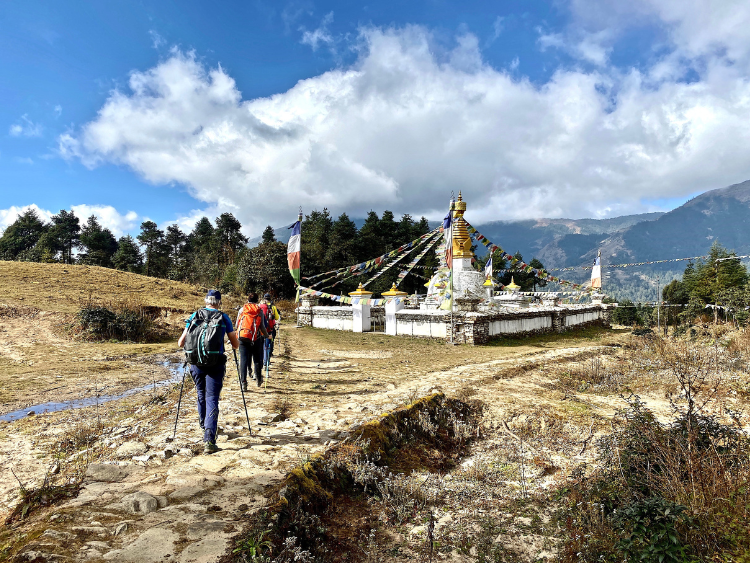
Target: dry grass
(61, 288)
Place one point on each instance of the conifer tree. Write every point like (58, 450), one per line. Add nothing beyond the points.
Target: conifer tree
(269, 235)
(98, 244)
(128, 256)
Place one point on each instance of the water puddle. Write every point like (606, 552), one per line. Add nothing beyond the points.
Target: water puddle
(175, 370)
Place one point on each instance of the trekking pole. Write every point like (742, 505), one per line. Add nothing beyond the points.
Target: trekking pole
(239, 378)
(267, 360)
(179, 401)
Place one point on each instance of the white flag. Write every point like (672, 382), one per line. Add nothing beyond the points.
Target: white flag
(596, 273)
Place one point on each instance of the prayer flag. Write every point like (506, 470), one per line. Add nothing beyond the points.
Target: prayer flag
(596, 272)
(488, 268)
(293, 249)
(448, 231)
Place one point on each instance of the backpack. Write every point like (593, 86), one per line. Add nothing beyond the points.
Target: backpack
(268, 312)
(250, 318)
(204, 342)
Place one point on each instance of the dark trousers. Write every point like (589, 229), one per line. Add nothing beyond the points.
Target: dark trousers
(208, 384)
(251, 352)
(273, 339)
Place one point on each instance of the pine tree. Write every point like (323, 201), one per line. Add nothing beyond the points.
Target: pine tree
(128, 256)
(229, 238)
(316, 232)
(98, 243)
(153, 239)
(66, 229)
(21, 236)
(269, 235)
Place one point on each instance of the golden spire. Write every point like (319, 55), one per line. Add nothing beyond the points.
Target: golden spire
(512, 286)
(461, 239)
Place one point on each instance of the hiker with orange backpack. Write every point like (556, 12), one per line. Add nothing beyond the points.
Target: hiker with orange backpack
(252, 331)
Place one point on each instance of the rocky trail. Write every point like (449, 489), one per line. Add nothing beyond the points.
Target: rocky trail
(148, 498)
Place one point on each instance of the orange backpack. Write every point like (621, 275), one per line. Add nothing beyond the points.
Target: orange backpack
(250, 319)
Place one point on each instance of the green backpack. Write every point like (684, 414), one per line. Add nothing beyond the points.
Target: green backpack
(205, 339)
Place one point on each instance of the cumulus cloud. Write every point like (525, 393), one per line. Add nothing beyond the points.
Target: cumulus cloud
(696, 27)
(25, 128)
(108, 217)
(9, 215)
(406, 124)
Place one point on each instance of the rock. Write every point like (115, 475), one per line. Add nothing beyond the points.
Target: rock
(142, 458)
(58, 535)
(277, 418)
(30, 413)
(185, 493)
(98, 544)
(121, 528)
(152, 546)
(39, 557)
(391, 387)
(130, 449)
(198, 530)
(88, 530)
(139, 503)
(106, 473)
(167, 453)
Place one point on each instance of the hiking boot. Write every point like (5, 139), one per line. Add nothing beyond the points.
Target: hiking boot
(244, 387)
(210, 448)
(260, 383)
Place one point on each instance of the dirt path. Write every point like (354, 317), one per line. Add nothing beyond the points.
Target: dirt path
(148, 497)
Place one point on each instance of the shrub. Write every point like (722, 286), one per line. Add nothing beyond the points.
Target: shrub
(126, 322)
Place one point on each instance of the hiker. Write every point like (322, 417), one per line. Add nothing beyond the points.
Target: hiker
(251, 325)
(273, 317)
(203, 340)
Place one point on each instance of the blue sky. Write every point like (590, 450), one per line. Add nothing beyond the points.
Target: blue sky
(168, 110)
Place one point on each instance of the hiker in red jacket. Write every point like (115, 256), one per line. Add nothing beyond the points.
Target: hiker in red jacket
(251, 328)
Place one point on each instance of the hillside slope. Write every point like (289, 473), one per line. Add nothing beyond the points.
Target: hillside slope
(62, 288)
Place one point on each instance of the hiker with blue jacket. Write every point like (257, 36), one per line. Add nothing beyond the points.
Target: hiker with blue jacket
(203, 340)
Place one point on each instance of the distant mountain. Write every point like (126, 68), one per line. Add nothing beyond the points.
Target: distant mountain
(689, 230)
(554, 240)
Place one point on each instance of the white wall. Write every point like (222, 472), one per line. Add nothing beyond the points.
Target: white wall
(511, 326)
(341, 320)
(580, 318)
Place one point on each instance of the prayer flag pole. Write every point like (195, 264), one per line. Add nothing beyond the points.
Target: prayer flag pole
(293, 251)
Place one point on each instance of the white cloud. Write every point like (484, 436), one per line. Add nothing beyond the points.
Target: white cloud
(696, 28)
(9, 215)
(591, 47)
(320, 35)
(108, 217)
(403, 126)
(24, 160)
(25, 128)
(58, 111)
(156, 39)
(497, 27)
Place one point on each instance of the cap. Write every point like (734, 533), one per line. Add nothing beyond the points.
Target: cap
(214, 293)
(267, 296)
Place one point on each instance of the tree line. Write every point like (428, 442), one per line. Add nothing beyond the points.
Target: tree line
(720, 280)
(216, 253)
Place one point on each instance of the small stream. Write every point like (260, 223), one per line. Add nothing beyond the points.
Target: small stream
(175, 370)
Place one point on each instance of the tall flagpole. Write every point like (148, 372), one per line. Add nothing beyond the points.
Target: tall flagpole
(449, 257)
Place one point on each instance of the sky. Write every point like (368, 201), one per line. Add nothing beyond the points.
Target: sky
(171, 110)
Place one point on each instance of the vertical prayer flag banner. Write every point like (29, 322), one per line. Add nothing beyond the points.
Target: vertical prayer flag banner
(488, 268)
(596, 273)
(293, 249)
(448, 230)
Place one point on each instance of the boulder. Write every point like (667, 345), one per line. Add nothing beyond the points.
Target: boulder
(139, 503)
(106, 473)
(130, 449)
